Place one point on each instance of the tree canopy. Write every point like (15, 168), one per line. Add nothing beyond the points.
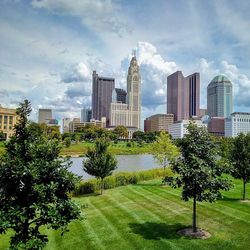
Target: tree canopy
(34, 186)
(164, 150)
(239, 157)
(121, 131)
(197, 169)
(100, 163)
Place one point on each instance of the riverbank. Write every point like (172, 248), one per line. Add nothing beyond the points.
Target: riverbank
(120, 148)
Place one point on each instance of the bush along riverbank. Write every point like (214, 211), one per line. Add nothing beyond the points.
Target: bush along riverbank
(120, 179)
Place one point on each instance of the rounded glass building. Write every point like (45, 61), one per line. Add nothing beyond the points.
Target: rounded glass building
(220, 97)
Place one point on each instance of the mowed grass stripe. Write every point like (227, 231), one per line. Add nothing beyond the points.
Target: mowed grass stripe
(170, 205)
(120, 220)
(140, 219)
(148, 216)
(215, 207)
(110, 223)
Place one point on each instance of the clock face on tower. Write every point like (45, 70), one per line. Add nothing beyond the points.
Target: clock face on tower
(135, 78)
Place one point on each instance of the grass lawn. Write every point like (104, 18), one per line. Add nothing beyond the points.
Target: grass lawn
(147, 216)
(119, 148)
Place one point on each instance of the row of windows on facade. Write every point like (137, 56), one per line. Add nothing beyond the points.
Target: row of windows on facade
(5, 124)
(241, 119)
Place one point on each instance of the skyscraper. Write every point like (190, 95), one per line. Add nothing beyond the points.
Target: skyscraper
(86, 115)
(129, 114)
(134, 92)
(102, 88)
(183, 95)
(119, 95)
(220, 97)
(44, 115)
(193, 82)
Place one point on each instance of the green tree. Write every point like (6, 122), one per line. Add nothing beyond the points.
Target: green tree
(67, 142)
(164, 150)
(121, 131)
(139, 136)
(100, 163)
(2, 135)
(239, 156)
(34, 186)
(197, 169)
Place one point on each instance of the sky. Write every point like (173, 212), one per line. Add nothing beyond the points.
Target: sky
(49, 48)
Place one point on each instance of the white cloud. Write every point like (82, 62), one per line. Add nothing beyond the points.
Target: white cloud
(98, 15)
(78, 72)
(154, 71)
(241, 82)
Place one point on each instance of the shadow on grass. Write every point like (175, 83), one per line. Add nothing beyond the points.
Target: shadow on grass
(87, 195)
(225, 198)
(148, 184)
(156, 231)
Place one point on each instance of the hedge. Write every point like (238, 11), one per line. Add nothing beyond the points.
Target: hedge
(120, 179)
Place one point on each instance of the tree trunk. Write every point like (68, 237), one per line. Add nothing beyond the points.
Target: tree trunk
(194, 214)
(101, 185)
(244, 189)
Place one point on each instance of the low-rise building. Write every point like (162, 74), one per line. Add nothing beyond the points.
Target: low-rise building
(8, 118)
(76, 125)
(179, 129)
(238, 122)
(216, 126)
(158, 122)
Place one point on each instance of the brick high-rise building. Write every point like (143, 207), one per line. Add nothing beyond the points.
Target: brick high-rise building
(102, 88)
(183, 95)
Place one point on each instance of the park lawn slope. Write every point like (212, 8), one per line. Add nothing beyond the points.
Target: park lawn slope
(147, 216)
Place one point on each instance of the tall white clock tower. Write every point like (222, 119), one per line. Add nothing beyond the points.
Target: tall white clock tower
(134, 93)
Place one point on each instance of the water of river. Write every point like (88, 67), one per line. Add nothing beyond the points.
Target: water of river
(126, 163)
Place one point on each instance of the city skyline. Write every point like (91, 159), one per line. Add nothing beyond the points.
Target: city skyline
(48, 52)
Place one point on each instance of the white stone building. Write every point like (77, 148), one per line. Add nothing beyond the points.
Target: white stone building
(129, 114)
(238, 122)
(179, 129)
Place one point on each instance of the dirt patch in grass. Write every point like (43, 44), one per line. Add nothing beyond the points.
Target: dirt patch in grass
(200, 234)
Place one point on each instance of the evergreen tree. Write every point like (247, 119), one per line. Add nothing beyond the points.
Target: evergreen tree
(34, 186)
(100, 163)
(239, 156)
(197, 169)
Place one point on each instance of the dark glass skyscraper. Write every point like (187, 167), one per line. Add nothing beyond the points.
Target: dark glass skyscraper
(102, 88)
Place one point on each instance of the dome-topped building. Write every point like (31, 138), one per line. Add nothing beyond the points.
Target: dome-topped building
(220, 97)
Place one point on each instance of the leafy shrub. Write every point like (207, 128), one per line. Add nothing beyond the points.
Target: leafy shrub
(120, 179)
